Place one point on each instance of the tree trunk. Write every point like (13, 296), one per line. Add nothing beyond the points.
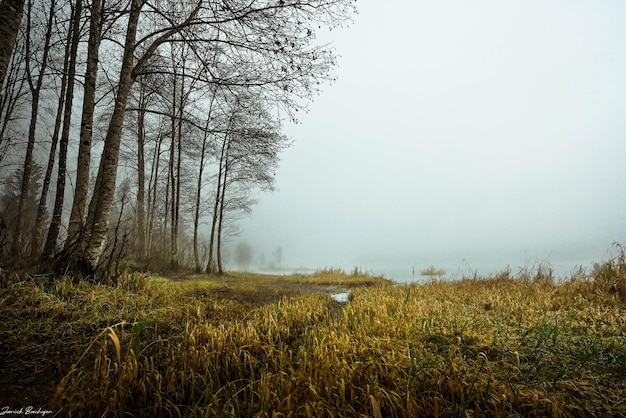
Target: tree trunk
(35, 88)
(172, 177)
(211, 265)
(179, 159)
(41, 208)
(16, 250)
(152, 187)
(220, 268)
(96, 227)
(28, 159)
(10, 95)
(55, 223)
(79, 202)
(196, 217)
(166, 212)
(141, 174)
(104, 190)
(11, 12)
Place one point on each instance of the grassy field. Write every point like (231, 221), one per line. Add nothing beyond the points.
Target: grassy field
(249, 345)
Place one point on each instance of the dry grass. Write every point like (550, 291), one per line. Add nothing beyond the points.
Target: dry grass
(338, 277)
(500, 346)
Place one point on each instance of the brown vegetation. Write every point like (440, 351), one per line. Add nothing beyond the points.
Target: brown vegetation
(496, 346)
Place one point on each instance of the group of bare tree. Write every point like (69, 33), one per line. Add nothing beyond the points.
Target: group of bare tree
(180, 107)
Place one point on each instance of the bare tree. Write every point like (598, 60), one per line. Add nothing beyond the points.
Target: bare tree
(35, 83)
(11, 12)
(202, 160)
(12, 99)
(153, 189)
(55, 223)
(37, 232)
(143, 99)
(278, 255)
(249, 153)
(214, 261)
(37, 239)
(104, 189)
(269, 43)
(79, 204)
(243, 255)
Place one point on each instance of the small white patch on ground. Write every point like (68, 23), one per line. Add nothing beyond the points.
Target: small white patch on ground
(341, 297)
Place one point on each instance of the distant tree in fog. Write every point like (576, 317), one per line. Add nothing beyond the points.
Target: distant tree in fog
(278, 255)
(243, 255)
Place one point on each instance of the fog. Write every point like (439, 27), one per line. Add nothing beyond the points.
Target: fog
(468, 135)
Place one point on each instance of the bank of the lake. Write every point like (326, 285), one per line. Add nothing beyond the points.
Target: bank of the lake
(252, 345)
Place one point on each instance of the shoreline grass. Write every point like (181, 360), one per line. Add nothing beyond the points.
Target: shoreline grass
(497, 346)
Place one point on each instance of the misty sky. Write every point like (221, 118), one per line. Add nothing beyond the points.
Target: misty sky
(461, 134)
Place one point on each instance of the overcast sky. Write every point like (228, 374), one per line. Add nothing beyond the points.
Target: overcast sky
(462, 134)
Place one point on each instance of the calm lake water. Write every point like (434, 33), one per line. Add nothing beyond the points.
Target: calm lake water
(410, 274)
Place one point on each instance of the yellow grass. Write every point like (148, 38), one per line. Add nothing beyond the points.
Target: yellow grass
(498, 346)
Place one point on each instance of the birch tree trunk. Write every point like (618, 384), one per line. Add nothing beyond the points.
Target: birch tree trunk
(11, 12)
(104, 190)
(79, 202)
